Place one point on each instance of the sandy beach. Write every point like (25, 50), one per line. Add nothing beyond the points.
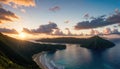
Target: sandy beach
(44, 63)
(36, 58)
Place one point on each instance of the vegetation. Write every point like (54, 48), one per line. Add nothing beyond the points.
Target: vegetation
(94, 43)
(97, 43)
(6, 63)
(18, 53)
(69, 40)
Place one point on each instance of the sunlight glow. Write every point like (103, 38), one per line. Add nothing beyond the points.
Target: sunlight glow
(22, 35)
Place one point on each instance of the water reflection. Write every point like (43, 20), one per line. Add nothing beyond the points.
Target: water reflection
(112, 56)
(70, 57)
(76, 57)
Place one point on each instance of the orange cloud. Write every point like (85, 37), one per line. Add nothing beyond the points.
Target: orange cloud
(7, 16)
(25, 3)
(107, 31)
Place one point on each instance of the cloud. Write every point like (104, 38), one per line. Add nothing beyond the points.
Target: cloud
(68, 31)
(9, 31)
(116, 10)
(114, 18)
(118, 24)
(7, 16)
(115, 31)
(58, 32)
(107, 31)
(23, 10)
(54, 9)
(0, 6)
(26, 30)
(46, 29)
(16, 3)
(94, 32)
(98, 22)
(86, 16)
(67, 21)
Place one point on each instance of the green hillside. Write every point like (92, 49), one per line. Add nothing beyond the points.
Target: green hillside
(6, 63)
(10, 58)
(18, 53)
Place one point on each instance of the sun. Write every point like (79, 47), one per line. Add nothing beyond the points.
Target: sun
(22, 35)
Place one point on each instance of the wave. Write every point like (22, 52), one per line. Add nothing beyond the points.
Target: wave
(50, 64)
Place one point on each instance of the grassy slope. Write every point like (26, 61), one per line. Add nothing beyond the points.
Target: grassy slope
(6, 63)
(11, 57)
(19, 53)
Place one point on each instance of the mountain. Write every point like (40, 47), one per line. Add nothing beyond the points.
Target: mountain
(97, 43)
(17, 54)
(10, 57)
(70, 40)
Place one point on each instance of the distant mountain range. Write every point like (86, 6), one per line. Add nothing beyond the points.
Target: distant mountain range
(94, 43)
(17, 54)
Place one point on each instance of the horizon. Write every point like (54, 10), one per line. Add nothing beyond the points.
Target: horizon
(49, 18)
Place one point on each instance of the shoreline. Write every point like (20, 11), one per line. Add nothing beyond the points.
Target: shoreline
(36, 58)
(44, 63)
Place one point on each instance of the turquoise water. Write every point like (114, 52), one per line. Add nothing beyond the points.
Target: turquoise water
(76, 57)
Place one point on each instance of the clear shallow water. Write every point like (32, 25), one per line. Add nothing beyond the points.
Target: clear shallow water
(76, 57)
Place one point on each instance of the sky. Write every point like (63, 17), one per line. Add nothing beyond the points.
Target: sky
(60, 17)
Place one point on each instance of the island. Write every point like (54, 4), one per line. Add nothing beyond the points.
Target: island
(17, 54)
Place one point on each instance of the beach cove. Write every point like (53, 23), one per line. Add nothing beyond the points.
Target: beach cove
(44, 62)
(76, 57)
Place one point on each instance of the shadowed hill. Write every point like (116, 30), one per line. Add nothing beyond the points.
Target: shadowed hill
(95, 42)
(20, 52)
(70, 40)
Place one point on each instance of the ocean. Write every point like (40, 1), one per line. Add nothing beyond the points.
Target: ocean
(76, 57)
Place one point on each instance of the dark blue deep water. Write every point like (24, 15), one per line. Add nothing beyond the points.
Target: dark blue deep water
(76, 57)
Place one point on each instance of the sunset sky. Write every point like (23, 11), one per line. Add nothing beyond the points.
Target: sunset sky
(60, 17)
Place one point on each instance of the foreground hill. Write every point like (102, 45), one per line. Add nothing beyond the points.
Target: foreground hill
(95, 42)
(17, 54)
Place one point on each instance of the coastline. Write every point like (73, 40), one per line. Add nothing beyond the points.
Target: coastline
(44, 63)
(36, 58)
